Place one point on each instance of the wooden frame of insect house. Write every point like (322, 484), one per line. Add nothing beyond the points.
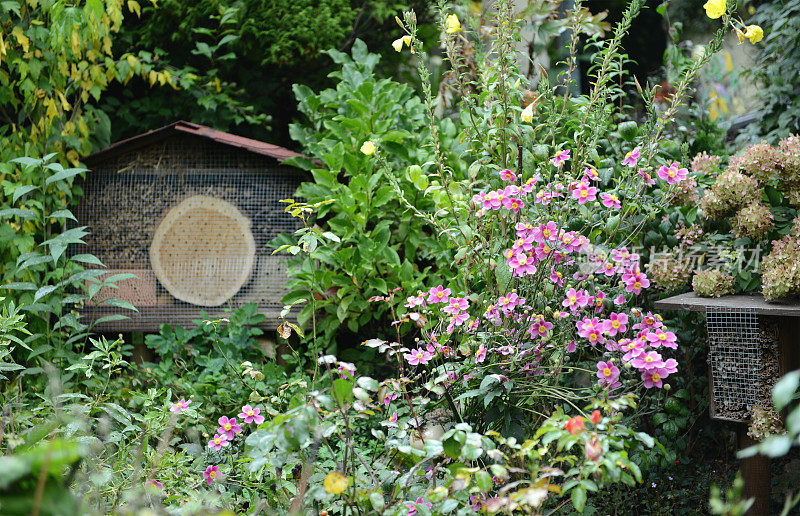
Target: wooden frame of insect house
(185, 213)
(751, 344)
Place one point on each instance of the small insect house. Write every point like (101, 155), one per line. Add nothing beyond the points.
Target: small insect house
(189, 211)
(751, 344)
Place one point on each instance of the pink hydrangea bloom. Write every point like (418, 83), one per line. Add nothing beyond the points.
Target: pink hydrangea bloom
(560, 158)
(218, 442)
(228, 427)
(180, 406)
(251, 415)
(632, 157)
(438, 295)
(418, 356)
(211, 473)
(610, 200)
(507, 175)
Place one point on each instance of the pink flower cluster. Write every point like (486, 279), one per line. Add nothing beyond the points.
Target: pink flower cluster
(229, 427)
(534, 244)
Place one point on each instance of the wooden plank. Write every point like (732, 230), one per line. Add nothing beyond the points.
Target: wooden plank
(690, 302)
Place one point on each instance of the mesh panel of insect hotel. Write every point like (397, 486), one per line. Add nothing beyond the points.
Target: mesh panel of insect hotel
(742, 357)
(184, 215)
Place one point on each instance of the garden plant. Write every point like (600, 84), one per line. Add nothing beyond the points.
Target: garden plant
(475, 329)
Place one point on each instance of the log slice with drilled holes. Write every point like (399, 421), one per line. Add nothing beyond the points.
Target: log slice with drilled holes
(203, 251)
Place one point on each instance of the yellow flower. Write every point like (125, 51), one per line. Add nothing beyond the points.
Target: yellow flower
(527, 113)
(452, 24)
(335, 482)
(368, 148)
(399, 42)
(715, 8)
(754, 33)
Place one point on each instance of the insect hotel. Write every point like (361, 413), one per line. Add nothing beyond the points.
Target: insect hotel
(185, 213)
(751, 344)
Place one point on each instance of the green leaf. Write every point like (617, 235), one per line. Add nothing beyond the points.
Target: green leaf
(785, 388)
(22, 190)
(452, 448)
(87, 258)
(43, 292)
(27, 162)
(645, 439)
(343, 390)
(19, 286)
(579, 498)
(64, 174)
(484, 481)
(775, 446)
(63, 214)
(16, 212)
(119, 303)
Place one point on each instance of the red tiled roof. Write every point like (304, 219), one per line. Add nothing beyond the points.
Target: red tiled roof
(255, 146)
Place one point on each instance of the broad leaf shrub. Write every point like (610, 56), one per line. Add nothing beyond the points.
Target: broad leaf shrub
(376, 249)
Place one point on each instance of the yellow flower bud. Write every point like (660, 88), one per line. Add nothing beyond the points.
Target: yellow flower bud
(527, 113)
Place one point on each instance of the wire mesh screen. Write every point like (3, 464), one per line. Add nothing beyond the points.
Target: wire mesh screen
(735, 360)
(192, 219)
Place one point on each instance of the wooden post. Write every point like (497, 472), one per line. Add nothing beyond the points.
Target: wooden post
(756, 476)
